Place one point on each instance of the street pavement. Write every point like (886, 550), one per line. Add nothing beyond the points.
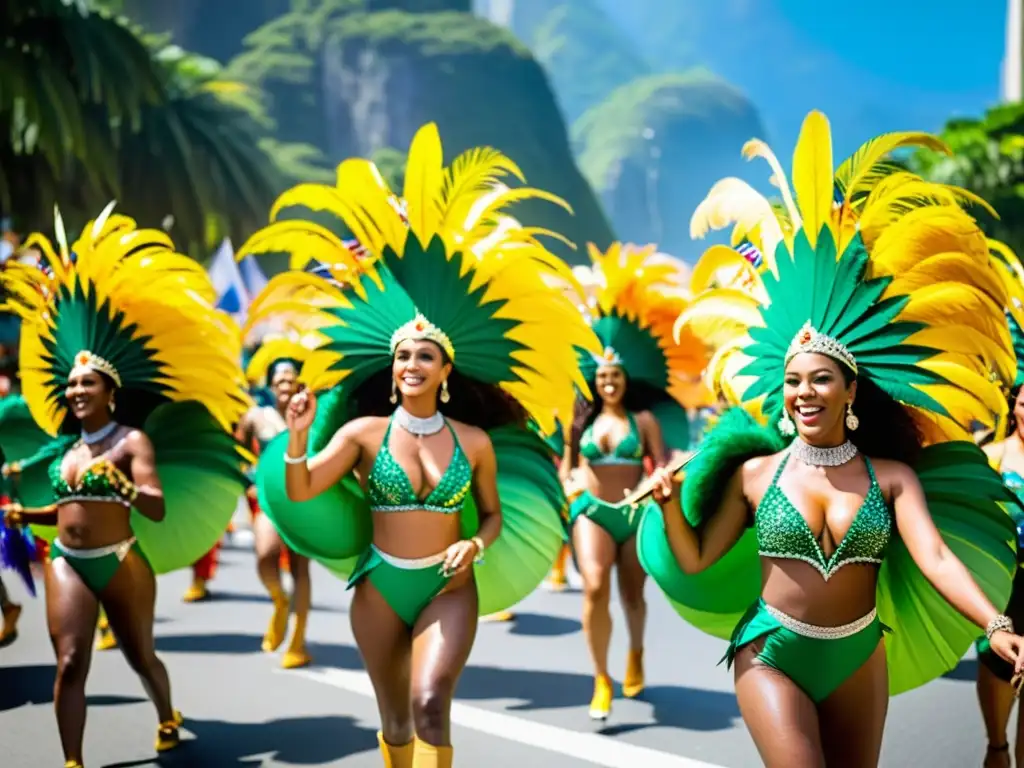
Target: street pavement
(522, 701)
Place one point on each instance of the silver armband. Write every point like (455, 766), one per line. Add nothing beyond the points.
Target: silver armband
(1001, 623)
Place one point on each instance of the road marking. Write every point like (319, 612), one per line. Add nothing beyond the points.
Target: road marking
(594, 748)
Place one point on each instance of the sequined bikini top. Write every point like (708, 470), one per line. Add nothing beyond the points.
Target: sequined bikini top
(630, 449)
(97, 483)
(389, 490)
(782, 532)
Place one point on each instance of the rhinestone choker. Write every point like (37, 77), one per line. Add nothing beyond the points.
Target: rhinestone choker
(823, 457)
(91, 438)
(417, 426)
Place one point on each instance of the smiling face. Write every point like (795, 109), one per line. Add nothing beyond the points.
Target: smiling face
(419, 368)
(611, 384)
(815, 395)
(282, 384)
(88, 395)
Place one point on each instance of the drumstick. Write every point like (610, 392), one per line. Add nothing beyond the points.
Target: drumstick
(646, 488)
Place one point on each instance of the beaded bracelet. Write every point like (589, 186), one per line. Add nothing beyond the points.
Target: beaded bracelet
(1001, 623)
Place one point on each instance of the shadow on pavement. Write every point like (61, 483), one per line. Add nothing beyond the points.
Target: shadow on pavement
(671, 706)
(34, 685)
(291, 741)
(542, 625)
(221, 643)
(966, 670)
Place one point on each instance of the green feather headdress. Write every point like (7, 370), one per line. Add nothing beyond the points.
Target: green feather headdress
(452, 269)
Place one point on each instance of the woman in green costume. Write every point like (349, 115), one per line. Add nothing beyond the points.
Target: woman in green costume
(636, 300)
(261, 424)
(120, 344)
(865, 344)
(416, 474)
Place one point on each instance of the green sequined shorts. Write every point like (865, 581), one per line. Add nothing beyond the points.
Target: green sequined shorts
(96, 567)
(619, 520)
(1015, 610)
(817, 664)
(408, 586)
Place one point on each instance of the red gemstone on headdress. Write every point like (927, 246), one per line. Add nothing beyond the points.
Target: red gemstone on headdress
(805, 337)
(419, 326)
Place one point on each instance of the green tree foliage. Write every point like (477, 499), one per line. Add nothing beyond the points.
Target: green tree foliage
(91, 111)
(987, 159)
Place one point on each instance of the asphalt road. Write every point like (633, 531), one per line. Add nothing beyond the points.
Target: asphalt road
(521, 702)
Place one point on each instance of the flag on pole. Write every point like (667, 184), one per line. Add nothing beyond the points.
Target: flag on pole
(232, 296)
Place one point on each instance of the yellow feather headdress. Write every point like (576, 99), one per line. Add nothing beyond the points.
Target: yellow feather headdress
(123, 302)
(877, 260)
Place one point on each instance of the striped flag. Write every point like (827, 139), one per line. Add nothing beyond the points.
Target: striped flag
(750, 252)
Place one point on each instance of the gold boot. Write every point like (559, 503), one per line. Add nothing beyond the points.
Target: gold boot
(429, 756)
(601, 703)
(396, 757)
(499, 617)
(633, 682)
(167, 734)
(196, 592)
(278, 622)
(72, 764)
(557, 581)
(105, 639)
(296, 656)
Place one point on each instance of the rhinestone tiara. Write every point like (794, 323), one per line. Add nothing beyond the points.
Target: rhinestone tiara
(608, 357)
(421, 329)
(87, 361)
(808, 339)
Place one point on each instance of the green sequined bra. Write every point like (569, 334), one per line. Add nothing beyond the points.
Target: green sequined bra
(782, 532)
(96, 484)
(389, 490)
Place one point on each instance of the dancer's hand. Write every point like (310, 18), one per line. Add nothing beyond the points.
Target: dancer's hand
(459, 557)
(573, 485)
(663, 484)
(12, 468)
(301, 411)
(1010, 648)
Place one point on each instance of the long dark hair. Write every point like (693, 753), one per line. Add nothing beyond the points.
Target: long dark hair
(886, 430)
(132, 407)
(471, 401)
(639, 396)
(1011, 417)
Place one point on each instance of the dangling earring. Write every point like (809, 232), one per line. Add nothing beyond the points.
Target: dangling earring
(445, 397)
(786, 425)
(394, 392)
(852, 422)
(110, 404)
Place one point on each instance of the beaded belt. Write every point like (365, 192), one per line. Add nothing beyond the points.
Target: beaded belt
(821, 633)
(121, 549)
(410, 564)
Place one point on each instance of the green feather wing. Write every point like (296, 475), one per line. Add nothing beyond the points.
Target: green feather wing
(20, 436)
(199, 467)
(965, 497)
(333, 528)
(1017, 334)
(715, 599)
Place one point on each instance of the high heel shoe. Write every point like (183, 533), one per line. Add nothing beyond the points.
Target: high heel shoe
(168, 735)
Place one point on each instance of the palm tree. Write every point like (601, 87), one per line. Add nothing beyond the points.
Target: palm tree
(91, 110)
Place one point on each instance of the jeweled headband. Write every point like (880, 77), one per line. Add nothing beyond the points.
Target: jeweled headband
(808, 339)
(87, 362)
(608, 357)
(421, 329)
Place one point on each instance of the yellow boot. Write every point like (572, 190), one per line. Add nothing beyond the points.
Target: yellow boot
(278, 622)
(633, 682)
(72, 764)
(499, 617)
(396, 757)
(296, 656)
(105, 639)
(196, 592)
(168, 735)
(429, 756)
(601, 703)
